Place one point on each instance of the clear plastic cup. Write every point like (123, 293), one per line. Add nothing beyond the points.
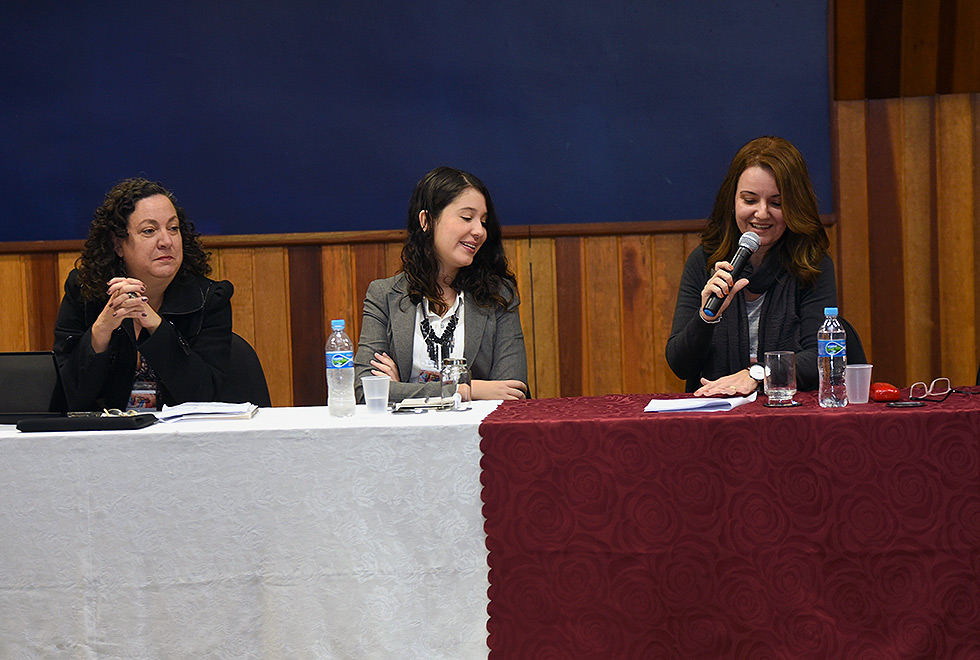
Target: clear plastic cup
(857, 378)
(375, 392)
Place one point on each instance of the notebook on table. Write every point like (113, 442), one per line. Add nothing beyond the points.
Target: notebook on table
(29, 386)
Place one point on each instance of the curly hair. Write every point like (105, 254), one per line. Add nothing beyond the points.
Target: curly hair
(99, 262)
(489, 273)
(805, 242)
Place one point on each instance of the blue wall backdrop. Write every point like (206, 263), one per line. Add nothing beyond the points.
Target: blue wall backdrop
(293, 116)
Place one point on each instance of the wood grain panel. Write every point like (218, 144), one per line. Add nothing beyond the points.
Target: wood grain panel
(955, 215)
(852, 254)
(272, 329)
(543, 305)
(891, 49)
(571, 336)
(965, 65)
(886, 255)
(15, 322)
(42, 294)
(918, 203)
(640, 353)
(519, 260)
(669, 256)
(849, 49)
(603, 286)
(919, 47)
(308, 329)
(337, 285)
(368, 264)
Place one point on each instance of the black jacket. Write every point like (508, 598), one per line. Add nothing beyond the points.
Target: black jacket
(189, 351)
(790, 317)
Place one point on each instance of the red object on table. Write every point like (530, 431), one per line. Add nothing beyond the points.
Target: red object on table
(757, 533)
(884, 392)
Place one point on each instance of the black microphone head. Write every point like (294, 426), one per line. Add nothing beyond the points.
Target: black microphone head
(750, 241)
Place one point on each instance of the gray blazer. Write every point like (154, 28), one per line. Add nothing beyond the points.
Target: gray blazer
(493, 341)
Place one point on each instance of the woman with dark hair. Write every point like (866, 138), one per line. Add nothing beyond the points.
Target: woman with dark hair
(140, 324)
(777, 304)
(454, 297)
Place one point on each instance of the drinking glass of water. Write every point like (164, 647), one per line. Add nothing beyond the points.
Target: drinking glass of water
(780, 381)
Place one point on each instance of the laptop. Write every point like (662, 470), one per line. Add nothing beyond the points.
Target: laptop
(30, 386)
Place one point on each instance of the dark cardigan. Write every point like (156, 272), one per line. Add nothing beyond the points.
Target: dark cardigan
(188, 352)
(790, 317)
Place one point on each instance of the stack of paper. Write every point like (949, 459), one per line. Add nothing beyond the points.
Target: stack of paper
(207, 410)
(702, 404)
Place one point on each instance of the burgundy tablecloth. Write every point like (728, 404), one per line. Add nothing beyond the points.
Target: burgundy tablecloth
(757, 533)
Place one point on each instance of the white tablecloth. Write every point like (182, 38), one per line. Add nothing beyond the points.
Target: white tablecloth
(290, 535)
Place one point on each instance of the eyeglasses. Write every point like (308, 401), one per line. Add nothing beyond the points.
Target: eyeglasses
(939, 387)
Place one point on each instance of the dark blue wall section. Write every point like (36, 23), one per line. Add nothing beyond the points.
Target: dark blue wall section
(290, 116)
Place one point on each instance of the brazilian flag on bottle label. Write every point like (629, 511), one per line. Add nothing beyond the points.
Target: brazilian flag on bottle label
(340, 360)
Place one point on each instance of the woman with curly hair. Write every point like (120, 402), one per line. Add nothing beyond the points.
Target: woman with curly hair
(778, 303)
(455, 296)
(140, 324)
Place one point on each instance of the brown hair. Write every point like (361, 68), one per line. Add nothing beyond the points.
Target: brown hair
(486, 277)
(805, 242)
(99, 262)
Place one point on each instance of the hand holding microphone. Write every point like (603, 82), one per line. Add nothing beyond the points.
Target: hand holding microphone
(747, 245)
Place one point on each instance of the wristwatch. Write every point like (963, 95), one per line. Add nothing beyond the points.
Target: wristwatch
(757, 372)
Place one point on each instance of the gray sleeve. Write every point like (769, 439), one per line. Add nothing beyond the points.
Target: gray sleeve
(376, 337)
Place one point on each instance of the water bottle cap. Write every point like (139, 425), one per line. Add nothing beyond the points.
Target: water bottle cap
(338, 324)
(830, 311)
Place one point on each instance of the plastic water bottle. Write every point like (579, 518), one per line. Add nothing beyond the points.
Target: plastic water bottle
(340, 371)
(831, 359)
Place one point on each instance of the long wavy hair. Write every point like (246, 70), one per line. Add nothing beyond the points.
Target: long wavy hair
(99, 262)
(485, 278)
(804, 243)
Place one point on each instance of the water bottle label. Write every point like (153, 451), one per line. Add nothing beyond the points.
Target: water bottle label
(340, 360)
(831, 348)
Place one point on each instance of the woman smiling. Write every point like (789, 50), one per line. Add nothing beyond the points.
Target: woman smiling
(778, 303)
(455, 297)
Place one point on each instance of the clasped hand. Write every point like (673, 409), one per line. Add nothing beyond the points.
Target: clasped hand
(126, 301)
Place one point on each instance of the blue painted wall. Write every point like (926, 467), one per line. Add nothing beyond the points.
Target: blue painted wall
(297, 116)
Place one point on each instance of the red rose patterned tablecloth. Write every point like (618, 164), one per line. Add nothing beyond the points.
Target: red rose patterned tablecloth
(755, 534)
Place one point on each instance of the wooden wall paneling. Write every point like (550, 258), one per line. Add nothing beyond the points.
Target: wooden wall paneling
(14, 318)
(368, 263)
(919, 47)
(603, 296)
(308, 328)
(965, 32)
(975, 101)
(851, 256)
(955, 216)
(66, 262)
(669, 255)
(849, 49)
(519, 259)
(338, 298)
(885, 239)
(883, 49)
(338, 287)
(543, 308)
(272, 328)
(43, 299)
(918, 204)
(236, 265)
(640, 358)
(571, 309)
(393, 257)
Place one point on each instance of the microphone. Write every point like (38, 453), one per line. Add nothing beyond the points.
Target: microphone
(747, 245)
